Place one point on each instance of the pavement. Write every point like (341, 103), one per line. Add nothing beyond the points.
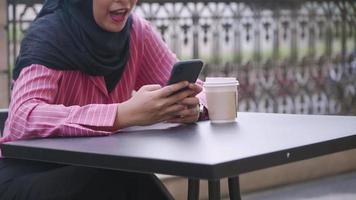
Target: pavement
(339, 187)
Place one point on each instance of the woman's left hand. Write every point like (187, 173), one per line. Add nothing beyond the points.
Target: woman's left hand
(191, 113)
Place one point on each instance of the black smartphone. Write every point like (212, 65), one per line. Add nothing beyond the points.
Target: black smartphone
(187, 70)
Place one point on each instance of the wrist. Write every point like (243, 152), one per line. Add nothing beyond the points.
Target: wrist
(123, 117)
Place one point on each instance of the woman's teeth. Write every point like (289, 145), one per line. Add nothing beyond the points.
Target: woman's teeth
(118, 12)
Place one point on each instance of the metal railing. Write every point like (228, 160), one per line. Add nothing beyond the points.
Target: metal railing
(290, 56)
(3, 117)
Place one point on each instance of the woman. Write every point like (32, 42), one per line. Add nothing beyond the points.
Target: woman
(78, 65)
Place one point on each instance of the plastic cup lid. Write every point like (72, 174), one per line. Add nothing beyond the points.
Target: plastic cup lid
(220, 81)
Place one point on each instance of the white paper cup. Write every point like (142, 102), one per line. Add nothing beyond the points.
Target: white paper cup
(222, 98)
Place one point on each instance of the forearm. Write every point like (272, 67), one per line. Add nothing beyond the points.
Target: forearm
(38, 119)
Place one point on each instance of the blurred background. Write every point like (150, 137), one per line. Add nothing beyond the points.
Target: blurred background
(290, 56)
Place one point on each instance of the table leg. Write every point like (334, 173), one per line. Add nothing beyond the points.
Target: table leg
(193, 189)
(214, 189)
(234, 188)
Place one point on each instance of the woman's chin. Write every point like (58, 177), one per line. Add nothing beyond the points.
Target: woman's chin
(113, 26)
(116, 29)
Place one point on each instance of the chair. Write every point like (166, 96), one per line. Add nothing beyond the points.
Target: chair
(3, 117)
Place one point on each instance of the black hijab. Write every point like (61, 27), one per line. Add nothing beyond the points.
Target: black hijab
(64, 36)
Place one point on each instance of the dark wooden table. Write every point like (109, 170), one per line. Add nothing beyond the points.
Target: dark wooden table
(202, 150)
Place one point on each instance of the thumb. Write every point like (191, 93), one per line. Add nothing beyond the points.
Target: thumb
(152, 87)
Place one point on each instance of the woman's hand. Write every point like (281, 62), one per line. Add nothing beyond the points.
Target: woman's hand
(191, 103)
(153, 103)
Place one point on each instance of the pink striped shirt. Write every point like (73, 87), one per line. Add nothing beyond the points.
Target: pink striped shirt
(52, 103)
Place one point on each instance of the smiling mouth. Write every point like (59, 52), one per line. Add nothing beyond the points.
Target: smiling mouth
(118, 15)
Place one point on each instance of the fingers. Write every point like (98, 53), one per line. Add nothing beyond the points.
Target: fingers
(174, 109)
(171, 112)
(177, 98)
(171, 89)
(190, 101)
(191, 111)
(152, 87)
(186, 116)
(190, 119)
(181, 114)
(182, 98)
(195, 87)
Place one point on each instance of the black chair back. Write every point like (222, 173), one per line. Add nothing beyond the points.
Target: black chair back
(3, 117)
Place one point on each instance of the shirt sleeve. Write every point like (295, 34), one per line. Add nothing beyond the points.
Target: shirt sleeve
(33, 112)
(157, 59)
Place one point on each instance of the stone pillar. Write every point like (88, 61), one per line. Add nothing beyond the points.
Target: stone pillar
(4, 86)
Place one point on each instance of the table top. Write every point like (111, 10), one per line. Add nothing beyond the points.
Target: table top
(202, 150)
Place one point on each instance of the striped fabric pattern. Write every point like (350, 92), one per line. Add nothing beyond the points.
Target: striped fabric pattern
(52, 103)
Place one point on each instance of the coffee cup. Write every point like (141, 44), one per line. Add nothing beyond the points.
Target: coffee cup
(222, 98)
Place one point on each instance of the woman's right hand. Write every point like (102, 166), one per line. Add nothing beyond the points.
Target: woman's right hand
(152, 104)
